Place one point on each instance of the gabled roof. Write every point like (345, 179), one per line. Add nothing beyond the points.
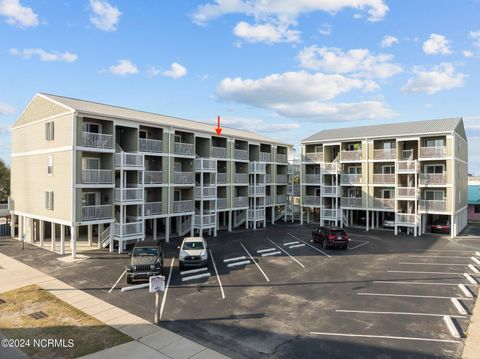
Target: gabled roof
(404, 129)
(87, 108)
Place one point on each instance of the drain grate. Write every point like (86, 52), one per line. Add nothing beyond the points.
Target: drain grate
(39, 315)
(2, 301)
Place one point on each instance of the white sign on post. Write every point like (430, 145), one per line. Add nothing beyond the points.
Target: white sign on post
(157, 283)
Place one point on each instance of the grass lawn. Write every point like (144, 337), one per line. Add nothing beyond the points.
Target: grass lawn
(63, 322)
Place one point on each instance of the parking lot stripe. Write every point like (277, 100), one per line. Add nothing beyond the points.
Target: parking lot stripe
(216, 273)
(465, 291)
(234, 259)
(435, 264)
(260, 269)
(308, 244)
(164, 297)
(297, 245)
(418, 256)
(458, 306)
(118, 280)
(193, 270)
(443, 250)
(470, 278)
(133, 287)
(410, 271)
(385, 337)
(284, 251)
(473, 268)
(235, 264)
(396, 313)
(198, 276)
(359, 245)
(410, 296)
(271, 254)
(265, 250)
(475, 260)
(422, 283)
(451, 327)
(477, 253)
(290, 243)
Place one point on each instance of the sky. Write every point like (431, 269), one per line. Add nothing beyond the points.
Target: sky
(283, 68)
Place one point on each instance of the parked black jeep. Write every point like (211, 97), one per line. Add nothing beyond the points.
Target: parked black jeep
(146, 261)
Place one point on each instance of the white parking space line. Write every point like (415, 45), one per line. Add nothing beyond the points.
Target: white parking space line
(236, 264)
(260, 269)
(418, 256)
(451, 327)
(118, 280)
(359, 245)
(397, 313)
(216, 273)
(234, 259)
(470, 278)
(385, 337)
(164, 298)
(290, 243)
(198, 276)
(284, 251)
(477, 253)
(410, 271)
(408, 283)
(297, 246)
(475, 260)
(443, 250)
(308, 244)
(459, 306)
(465, 291)
(435, 264)
(410, 296)
(190, 271)
(266, 250)
(134, 287)
(473, 268)
(271, 254)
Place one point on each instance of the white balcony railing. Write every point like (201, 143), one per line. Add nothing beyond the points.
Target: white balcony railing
(328, 213)
(406, 218)
(383, 203)
(257, 167)
(312, 178)
(98, 212)
(433, 152)
(431, 205)
(128, 194)
(128, 229)
(205, 192)
(150, 145)
(205, 220)
(183, 206)
(265, 156)
(385, 154)
(3, 206)
(355, 202)
(256, 213)
(433, 179)
(380, 178)
(281, 198)
(313, 157)
(256, 190)
(330, 168)
(97, 176)
(241, 154)
(152, 208)
(268, 200)
(240, 202)
(184, 149)
(293, 190)
(268, 178)
(281, 178)
(406, 192)
(330, 190)
(222, 178)
(351, 179)
(355, 155)
(221, 203)
(219, 152)
(124, 159)
(97, 140)
(153, 177)
(407, 166)
(312, 200)
(205, 164)
(183, 178)
(240, 178)
(282, 158)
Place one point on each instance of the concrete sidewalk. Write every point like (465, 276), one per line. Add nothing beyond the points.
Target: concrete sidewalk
(471, 349)
(151, 341)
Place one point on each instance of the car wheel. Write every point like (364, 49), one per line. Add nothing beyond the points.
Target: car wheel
(345, 247)
(324, 244)
(129, 280)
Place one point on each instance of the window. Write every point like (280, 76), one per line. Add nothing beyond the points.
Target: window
(49, 200)
(434, 142)
(434, 168)
(142, 134)
(387, 193)
(177, 195)
(388, 145)
(90, 163)
(434, 195)
(389, 169)
(90, 198)
(91, 127)
(476, 208)
(50, 165)
(318, 149)
(49, 131)
(355, 170)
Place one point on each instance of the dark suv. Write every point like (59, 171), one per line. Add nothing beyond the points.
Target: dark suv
(146, 261)
(331, 237)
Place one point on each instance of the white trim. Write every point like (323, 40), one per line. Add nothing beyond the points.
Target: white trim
(42, 120)
(42, 152)
(43, 218)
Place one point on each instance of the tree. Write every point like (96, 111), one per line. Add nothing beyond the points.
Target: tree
(4, 181)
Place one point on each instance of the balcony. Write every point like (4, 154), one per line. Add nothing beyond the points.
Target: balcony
(268, 200)
(150, 145)
(433, 179)
(183, 206)
(282, 158)
(128, 229)
(406, 193)
(257, 167)
(432, 206)
(222, 178)
(281, 179)
(128, 194)
(406, 218)
(385, 154)
(205, 193)
(330, 168)
(351, 156)
(240, 178)
(281, 199)
(183, 178)
(380, 178)
(256, 213)
(330, 191)
(312, 200)
(241, 155)
(265, 156)
(407, 166)
(92, 176)
(354, 202)
(254, 191)
(183, 149)
(97, 140)
(152, 209)
(153, 177)
(268, 178)
(221, 203)
(312, 178)
(349, 179)
(383, 203)
(205, 220)
(128, 160)
(314, 157)
(92, 213)
(293, 190)
(219, 152)
(330, 214)
(205, 165)
(239, 202)
(433, 152)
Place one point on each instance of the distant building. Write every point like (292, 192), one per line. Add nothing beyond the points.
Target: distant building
(474, 199)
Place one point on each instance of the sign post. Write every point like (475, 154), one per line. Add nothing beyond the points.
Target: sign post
(157, 284)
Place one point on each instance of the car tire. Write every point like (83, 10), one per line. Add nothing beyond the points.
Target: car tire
(313, 239)
(324, 244)
(129, 280)
(345, 247)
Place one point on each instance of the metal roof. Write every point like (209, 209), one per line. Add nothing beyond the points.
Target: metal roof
(94, 108)
(416, 128)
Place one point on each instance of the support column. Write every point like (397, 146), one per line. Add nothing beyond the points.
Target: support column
(453, 226)
(229, 221)
(424, 224)
(285, 216)
(366, 220)
(73, 240)
(32, 232)
(215, 231)
(308, 216)
(99, 237)
(301, 214)
(246, 218)
(20, 228)
(378, 217)
(154, 229)
(90, 234)
(167, 229)
(62, 239)
(192, 228)
(52, 241)
(41, 230)
(341, 218)
(112, 226)
(12, 226)
(273, 215)
(415, 231)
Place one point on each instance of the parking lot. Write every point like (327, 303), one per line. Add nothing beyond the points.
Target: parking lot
(274, 293)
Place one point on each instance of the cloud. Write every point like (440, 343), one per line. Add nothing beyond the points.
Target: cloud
(6, 109)
(45, 56)
(123, 67)
(267, 33)
(258, 125)
(325, 30)
(152, 71)
(467, 53)
(475, 36)
(437, 44)
(104, 16)
(359, 62)
(176, 71)
(388, 41)
(17, 14)
(435, 79)
(5, 128)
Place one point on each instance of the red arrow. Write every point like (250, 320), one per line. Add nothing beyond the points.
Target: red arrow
(218, 129)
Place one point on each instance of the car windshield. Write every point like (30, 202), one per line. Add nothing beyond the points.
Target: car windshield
(193, 245)
(338, 232)
(145, 251)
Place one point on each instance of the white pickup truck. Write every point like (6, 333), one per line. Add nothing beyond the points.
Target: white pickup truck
(193, 252)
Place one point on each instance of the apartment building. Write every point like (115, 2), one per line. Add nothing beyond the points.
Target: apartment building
(115, 175)
(411, 174)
